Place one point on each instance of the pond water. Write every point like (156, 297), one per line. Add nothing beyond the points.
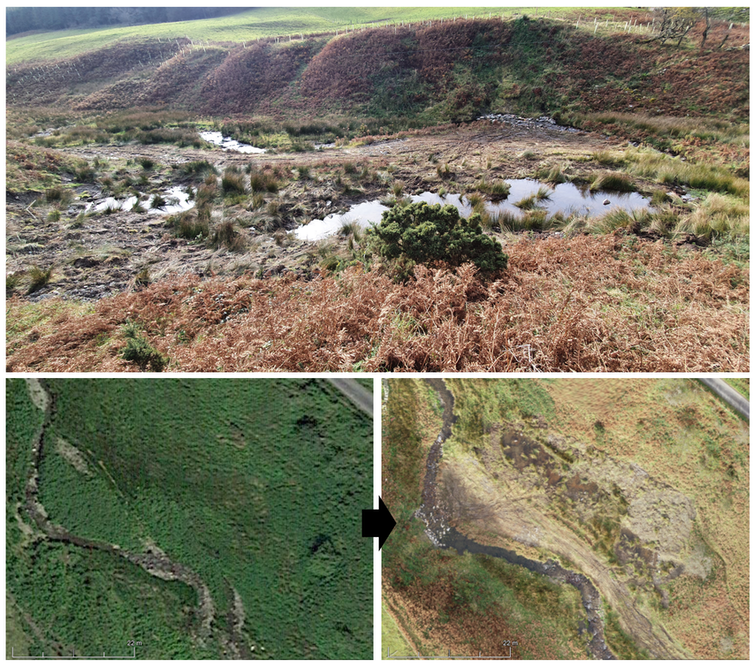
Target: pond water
(228, 144)
(177, 200)
(366, 214)
(565, 198)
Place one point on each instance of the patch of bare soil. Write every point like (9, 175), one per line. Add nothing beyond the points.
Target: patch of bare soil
(103, 254)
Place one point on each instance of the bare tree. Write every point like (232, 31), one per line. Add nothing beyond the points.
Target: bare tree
(675, 23)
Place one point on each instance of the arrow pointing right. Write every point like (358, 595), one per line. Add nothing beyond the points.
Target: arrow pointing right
(377, 523)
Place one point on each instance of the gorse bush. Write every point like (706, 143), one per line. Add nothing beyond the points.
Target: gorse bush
(141, 352)
(425, 234)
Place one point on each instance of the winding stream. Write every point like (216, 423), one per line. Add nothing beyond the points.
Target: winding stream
(444, 536)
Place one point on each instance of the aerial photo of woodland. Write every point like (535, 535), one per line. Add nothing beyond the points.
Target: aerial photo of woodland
(377, 189)
(196, 519)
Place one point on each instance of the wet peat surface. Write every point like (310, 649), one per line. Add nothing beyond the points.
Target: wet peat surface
(444, 536)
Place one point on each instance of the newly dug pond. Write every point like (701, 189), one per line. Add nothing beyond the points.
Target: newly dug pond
(228, 258)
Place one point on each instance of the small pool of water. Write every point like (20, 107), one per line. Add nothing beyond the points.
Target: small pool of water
(565, 198)
(228, 144)
(365, 214)
(177, 200)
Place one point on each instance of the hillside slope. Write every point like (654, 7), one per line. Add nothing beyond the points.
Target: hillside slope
(450, 71)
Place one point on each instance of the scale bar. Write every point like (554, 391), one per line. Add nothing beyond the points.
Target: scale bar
(447, 656)
(73, 656)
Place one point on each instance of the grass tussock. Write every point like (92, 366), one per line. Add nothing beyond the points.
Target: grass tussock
(38, 278)
(590, 303)
(673, 171)
(497, 189)
(190, 225)
(226, 235)
(232, 182)
(197, 168)
(613, 182)
(263, 182)
(718, 216)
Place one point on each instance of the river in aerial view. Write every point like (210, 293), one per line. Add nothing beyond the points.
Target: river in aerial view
(445, 537)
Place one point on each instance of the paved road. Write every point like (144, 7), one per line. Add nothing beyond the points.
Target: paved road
(359, 396)
(728, 395)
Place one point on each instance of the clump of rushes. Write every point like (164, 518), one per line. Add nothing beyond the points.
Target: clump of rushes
(497, 189)
(38, 278)
(232, 182)
(614, 181)
(527, 203)
(197, 168)
(263, 182)
(146, 163)
(552, 174)
(54, 216)
(226, 235)
(158, 202)
(718, 216)
(190, 225)
(303, 172)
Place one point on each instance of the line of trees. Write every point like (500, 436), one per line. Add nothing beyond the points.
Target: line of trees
(24, 19)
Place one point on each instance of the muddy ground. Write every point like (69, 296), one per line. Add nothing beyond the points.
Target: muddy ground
(103, 254)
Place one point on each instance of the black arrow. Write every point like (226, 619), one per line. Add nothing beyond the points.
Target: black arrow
(377, 523)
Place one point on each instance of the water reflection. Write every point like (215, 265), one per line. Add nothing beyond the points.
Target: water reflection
(564, 198)
(228, 144)
(177, 200)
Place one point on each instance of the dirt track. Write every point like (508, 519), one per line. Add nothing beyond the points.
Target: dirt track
(355, 393)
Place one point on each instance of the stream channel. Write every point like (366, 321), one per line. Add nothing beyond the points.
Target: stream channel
(444, 536)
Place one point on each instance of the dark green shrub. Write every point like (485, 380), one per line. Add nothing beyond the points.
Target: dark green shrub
(141, 352)
(427, 234)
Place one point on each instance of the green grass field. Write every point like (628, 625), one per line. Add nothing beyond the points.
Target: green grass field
(392, 638)
(256, 486)
(740, 385)
(257, 23)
